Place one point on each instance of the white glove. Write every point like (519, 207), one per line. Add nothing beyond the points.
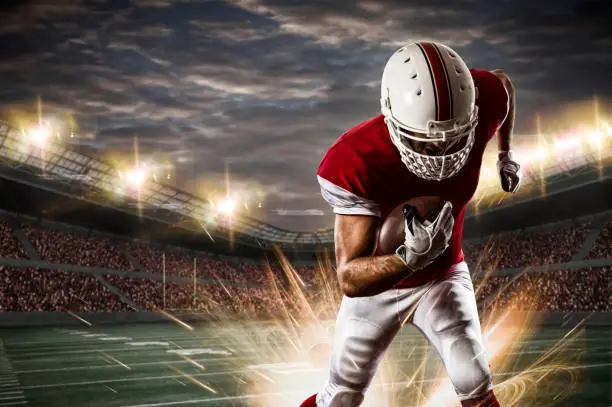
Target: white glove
(425, 240)
(509, 172)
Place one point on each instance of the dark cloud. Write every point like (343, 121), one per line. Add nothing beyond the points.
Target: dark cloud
(263, 87)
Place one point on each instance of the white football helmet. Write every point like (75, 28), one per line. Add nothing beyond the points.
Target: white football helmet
(428, 96)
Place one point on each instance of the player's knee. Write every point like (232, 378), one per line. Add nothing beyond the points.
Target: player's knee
(468, 368)
(354, 362)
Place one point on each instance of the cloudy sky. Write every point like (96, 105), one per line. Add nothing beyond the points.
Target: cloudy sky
(263, 87)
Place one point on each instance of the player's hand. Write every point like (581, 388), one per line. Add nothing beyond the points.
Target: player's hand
(425, 240)
(509, 172)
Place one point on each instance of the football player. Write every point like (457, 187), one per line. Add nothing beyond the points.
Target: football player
(437, 118)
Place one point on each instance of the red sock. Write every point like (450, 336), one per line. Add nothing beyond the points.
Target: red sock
(310, 401)
(486, 401)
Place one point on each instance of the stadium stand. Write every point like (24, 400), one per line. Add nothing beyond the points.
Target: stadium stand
(71, 248)
(603, 245)
(9, 245)
(522, 249)
(75, 238)
(247, 287)
(559, 290)
(27, 290)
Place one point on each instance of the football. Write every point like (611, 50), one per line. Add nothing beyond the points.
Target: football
(391, 233)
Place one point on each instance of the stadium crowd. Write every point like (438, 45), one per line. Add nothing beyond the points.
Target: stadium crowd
(10, 248)
(602, 248)
(247, 288)
(527, 249)
(29, 290)
(559, 290)
(71, 248)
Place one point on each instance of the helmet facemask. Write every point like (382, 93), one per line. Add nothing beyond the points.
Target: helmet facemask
(428, 98)
(456, 137)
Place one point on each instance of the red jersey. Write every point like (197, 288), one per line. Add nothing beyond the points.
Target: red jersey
(362, 173)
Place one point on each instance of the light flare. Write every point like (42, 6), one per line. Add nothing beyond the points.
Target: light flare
(39, 135)
(293, 348)
(227, 206)
(72, 314)
(193, 379)
(172, 318)
(135, 177)
(117, 361)
(506, 333)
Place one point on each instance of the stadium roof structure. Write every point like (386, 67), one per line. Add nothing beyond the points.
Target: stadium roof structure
(61, 168)
(65, 170)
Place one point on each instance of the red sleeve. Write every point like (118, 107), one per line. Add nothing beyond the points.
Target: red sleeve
(344, 168)
(492, 96)
(343, 179)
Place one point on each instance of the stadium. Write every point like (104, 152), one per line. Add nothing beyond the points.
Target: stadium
(121, 290)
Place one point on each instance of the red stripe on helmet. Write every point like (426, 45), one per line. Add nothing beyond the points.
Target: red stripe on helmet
(440, 79)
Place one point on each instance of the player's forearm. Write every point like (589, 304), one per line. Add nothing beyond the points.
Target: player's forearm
(367, 276)
(504, 133)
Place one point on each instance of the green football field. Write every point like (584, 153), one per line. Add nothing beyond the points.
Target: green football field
(259, 364)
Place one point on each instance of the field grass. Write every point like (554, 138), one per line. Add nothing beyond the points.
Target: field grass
(229, 365)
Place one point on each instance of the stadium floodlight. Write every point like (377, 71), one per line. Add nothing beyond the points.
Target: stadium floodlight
(596, 138)
(541, 153)
(227, 206)
(39, 135)
(135, 177)
(567, 143)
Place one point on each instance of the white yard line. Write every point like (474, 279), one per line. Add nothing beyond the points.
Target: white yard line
(130, 379)
(213, 399)
(255, 348)
(26, 357)
(226, 359)
(173, 361)
(77, 340)
(16, 396)
(215, 339)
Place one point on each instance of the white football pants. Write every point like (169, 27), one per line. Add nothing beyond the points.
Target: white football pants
(443, 310)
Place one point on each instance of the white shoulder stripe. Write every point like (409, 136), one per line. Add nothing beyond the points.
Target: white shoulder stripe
(345, 202)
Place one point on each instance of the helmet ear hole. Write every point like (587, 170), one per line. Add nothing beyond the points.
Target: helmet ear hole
(385, 105)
